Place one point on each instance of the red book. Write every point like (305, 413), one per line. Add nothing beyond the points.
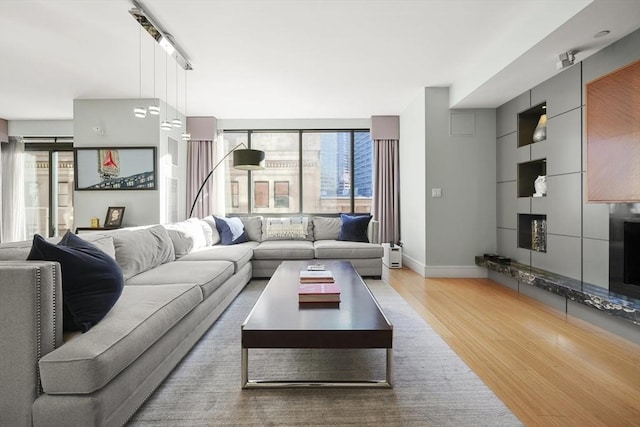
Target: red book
(318, 292)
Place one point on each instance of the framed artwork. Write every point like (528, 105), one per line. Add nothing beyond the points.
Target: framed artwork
(115, 168)
(114, 217)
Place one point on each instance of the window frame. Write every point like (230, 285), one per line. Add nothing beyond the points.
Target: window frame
(300, 132)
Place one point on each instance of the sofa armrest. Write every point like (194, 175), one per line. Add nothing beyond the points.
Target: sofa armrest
(373, 231)
(30, 327)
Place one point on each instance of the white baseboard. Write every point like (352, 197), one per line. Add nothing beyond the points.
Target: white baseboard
(463, 271)
(466, 271)
(414, 265)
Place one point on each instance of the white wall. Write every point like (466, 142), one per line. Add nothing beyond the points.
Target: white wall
(461, 161)
(40, 127)
(412, 184)
(283, 124)
(119, 128)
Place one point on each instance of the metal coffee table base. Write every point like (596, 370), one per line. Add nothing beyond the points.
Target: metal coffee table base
(247, 383)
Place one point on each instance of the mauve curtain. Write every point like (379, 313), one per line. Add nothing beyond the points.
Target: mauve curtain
(386, 199)
(202, 156)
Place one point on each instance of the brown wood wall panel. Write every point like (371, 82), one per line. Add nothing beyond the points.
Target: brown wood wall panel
(613, 136)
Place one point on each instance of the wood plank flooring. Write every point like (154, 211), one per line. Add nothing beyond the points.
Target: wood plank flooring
(549, 368)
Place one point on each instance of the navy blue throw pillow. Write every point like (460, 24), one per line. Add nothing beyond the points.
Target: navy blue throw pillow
(92, 281)
(231, 230)
(354, 228)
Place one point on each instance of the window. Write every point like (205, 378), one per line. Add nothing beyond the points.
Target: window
(327, 183)
(261, 194)
(236, 200)
(363, 179)
(312, 172)
(282, 155)
(235, 194)
(49, 183)
(281, 194)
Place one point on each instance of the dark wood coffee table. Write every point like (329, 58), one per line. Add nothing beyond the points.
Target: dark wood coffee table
(278, 321)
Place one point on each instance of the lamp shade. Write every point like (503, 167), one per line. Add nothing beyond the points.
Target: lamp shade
(247, 159)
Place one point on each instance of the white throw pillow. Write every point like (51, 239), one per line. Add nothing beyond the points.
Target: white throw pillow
(215, 236)
(285, 228)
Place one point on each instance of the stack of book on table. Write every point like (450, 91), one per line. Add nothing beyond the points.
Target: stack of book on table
(318, 286)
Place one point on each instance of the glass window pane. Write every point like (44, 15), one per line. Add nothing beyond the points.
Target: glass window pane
(326, 158)
(64, 191)
(36, 188)
(282, 164)
(362, 171)
(236, 181)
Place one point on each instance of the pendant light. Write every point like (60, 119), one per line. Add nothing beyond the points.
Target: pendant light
(166, 124)
(139, 111)
(154, 109)
(186, 136)
(176, 123)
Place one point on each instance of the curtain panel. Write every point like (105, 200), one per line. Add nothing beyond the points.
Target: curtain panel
(386, 199)
(201, 159)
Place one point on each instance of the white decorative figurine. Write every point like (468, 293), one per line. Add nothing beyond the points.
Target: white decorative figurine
(540, 184)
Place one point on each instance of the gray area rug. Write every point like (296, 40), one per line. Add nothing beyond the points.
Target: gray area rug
(432, 386)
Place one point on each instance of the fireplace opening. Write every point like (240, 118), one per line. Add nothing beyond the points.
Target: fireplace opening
(632, 253)
(624, 249)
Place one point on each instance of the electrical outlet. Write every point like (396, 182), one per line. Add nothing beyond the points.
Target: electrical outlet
(436, 192)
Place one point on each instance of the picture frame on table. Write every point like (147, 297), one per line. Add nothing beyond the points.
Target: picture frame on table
(115, 168)
(114, 217)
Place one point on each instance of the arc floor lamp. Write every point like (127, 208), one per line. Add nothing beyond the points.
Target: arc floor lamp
(243, 159)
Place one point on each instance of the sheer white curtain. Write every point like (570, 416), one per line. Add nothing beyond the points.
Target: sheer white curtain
(12, 191)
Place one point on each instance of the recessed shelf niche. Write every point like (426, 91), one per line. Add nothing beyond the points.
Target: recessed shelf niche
(532, 232)
(527, 122)
(527, 174)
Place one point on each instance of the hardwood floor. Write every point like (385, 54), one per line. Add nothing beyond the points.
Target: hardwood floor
(549, 368)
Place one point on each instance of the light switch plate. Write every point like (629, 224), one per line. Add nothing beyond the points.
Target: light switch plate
(436, 192)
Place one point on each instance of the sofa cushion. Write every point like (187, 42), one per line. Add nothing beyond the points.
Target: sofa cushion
(284, 249)
(15, 251)
(239, 254)
(208, 275)
(294, 228)
(253, 227)
(140, 317)
(326, 228)
(215, 236)
(102, 242)
(337, 249)
(231, 230)
(354, 227)
(91, 280)
(142, 249)
(186, 236)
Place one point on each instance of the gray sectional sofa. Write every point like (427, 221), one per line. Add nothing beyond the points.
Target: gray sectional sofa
(178, 281)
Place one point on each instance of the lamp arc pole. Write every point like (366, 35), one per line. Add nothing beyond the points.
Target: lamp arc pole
(251, 161)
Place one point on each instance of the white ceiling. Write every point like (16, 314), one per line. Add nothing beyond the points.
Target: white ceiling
(270, 59)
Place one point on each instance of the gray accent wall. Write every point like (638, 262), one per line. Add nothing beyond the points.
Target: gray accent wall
(578, 232)
(454, 151)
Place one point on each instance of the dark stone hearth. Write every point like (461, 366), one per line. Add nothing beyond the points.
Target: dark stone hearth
(575, 290)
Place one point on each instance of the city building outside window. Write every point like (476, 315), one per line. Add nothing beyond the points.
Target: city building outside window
(311, 172)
